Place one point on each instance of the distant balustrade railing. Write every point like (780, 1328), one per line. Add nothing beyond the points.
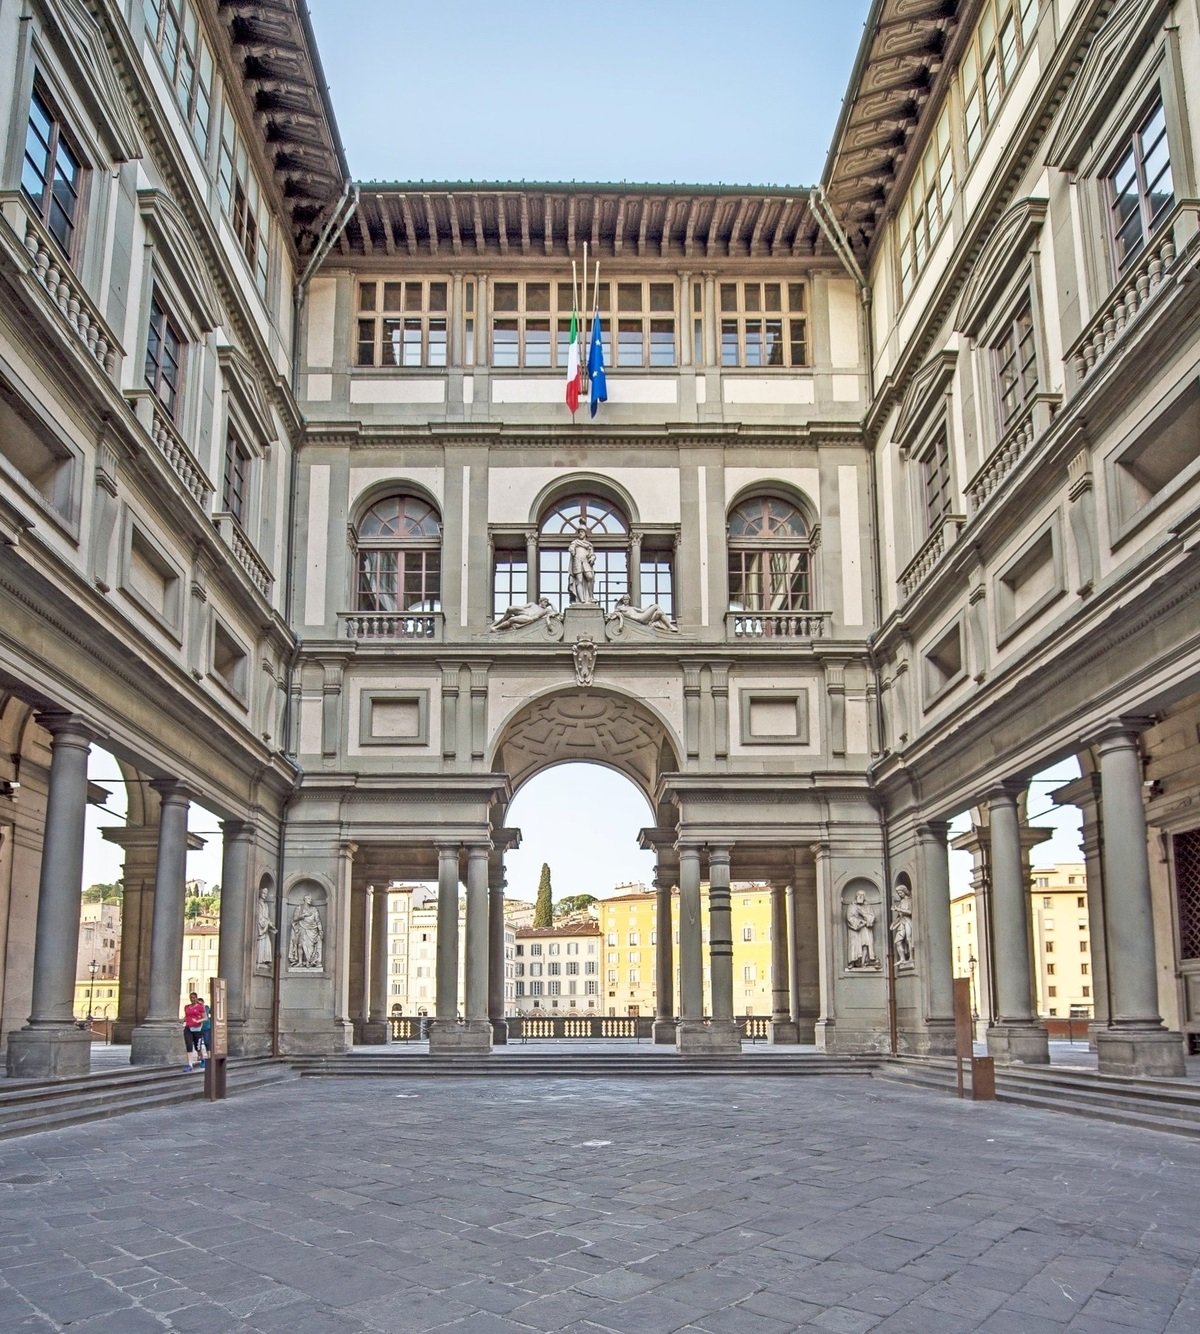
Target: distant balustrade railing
(1136, 291)
(922, 565)
(777, 624)
(49, 266)
(521, 1028)
(1026, 427)
(234, 537)
(381, 626)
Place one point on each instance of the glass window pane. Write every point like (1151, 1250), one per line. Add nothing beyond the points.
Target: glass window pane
(751, 296)
(437, 343)
(537, 343)
(437, 296)
(662, 296)
(772, 297)
(729, 343)
(629, 296)
(629, 343)
(662, 342)
(504, 296)
(537, 296)
(505, 351)
(795, 296)
(729, 296)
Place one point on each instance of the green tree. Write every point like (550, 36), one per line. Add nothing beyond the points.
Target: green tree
(104, 893)
(543, 908)
(573, 903)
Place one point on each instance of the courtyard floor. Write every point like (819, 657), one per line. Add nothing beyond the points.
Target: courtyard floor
(503, 1205)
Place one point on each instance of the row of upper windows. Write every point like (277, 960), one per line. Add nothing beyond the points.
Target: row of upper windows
(398, 567)
(54, 171)
(1136, 181)
(407, 323)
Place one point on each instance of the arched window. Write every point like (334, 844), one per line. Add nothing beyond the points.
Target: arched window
(399, 556)
(769, 549)
(608, 532)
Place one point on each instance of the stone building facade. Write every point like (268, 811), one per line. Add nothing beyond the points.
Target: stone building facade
(891, 504)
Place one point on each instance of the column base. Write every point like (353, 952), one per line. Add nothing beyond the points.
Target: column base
(331, 1039)
(694, 1037)
(373, 1033)
(662, 1033)
(935, 1038)
(245, 1041)
(157, 1043)
(844, 1040)
(1018, 1044)
(1154, 1053)
(782, 1032)
(474, 1035)
(49, 1053)
(122, 1032)
(499, 1033)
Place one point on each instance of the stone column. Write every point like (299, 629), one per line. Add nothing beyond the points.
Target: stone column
(50, 1046)
(793, 958)
(1085, 793)
(158, 1039)
(691, 957)
(375, 1030)
(1136, 1042)
(1015, 1035)
(664, 960)
(932, 951)
(497, 963)
(234, 954)
(806, 957)
(446, 1005)
(359, 957)
(476, 1033)
(783, 1027)
(724, 1030)
(830, 948)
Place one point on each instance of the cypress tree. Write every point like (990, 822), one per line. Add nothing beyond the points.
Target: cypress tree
(543, 908)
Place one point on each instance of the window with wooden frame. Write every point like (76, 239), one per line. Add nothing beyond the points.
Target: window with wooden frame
(1014, 356)
(403, 323)
(1003, 32)
(242, 198)
(399, 562)
(164, 358)
(608, 531)
(763, 324)
(926, 208)
(934, 463)
(1140, 189)
(531, 325)
(174, 31)
(643, 322)
(52, 173)
(770, 548)
(510, 577)
(234, 492)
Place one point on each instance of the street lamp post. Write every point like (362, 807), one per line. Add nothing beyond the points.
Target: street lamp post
(91, 989)
(972, 962)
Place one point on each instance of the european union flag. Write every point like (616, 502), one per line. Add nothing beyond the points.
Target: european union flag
(596, 365)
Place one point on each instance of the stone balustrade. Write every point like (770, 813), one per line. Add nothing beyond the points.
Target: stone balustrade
(244, 553)
(777, 624)
(1136, 290)
(927, 558)
(1026, 427)
(381, 626)
(171, 445)
(49, 266)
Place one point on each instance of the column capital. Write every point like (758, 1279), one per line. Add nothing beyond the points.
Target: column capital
(68, 729)
(477, 850)
(172, 791)
(689, 850)
(719, 852)
(1006, 792)
(238, 829)
(933, 831)
(1119, 733)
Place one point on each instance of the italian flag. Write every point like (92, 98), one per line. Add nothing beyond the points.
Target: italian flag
(574, 379)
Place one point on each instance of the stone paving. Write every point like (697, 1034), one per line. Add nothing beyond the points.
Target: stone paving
(731, 1206)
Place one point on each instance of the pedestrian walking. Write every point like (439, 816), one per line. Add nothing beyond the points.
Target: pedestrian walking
(193, 1032)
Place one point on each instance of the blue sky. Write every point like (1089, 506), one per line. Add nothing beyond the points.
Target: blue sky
(651, 91)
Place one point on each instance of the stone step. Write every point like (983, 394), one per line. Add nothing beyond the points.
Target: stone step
(1172, 1106)
(31, 1106)
(576, 1065)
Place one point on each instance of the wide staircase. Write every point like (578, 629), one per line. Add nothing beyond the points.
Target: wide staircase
(1172, 1105)
(545, 1063)
(28, 1106)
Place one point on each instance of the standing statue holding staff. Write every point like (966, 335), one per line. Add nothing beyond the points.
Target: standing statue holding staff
(582, 557)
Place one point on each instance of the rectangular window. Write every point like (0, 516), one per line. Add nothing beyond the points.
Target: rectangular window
(242, 198)
(935, 473)
(175, 34)
(237, 466)
(591, 988)
(510, 581)
(925, 210)
(400, 579)
(1140, 188)
(531, 325)
(590, 967)
(763, 324)
(52, 174)
(403, 323)
(656, 580)
(643, 322)
(164, 359)
(1015, 358)
(572, 969)
(554, 970)
(554, 988)
(535, 988)
(535, 949)
(1002, 34)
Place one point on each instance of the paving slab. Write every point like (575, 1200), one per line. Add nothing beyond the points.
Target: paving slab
(631, 1206)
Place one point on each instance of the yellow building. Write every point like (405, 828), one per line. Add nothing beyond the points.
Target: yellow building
(1062, 959)
(628, 928)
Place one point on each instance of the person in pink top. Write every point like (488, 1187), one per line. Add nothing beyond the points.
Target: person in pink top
(193, 1028)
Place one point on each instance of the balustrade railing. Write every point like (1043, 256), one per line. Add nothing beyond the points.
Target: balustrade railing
(1136, 292)
(925, 561)
(563, 1027)
(240, 546)
(1028, 425)
(49, 266)
(171, 445)
(777, 624)
(381, 626)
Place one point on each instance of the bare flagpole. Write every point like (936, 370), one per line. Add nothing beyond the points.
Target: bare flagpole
(583, 361)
